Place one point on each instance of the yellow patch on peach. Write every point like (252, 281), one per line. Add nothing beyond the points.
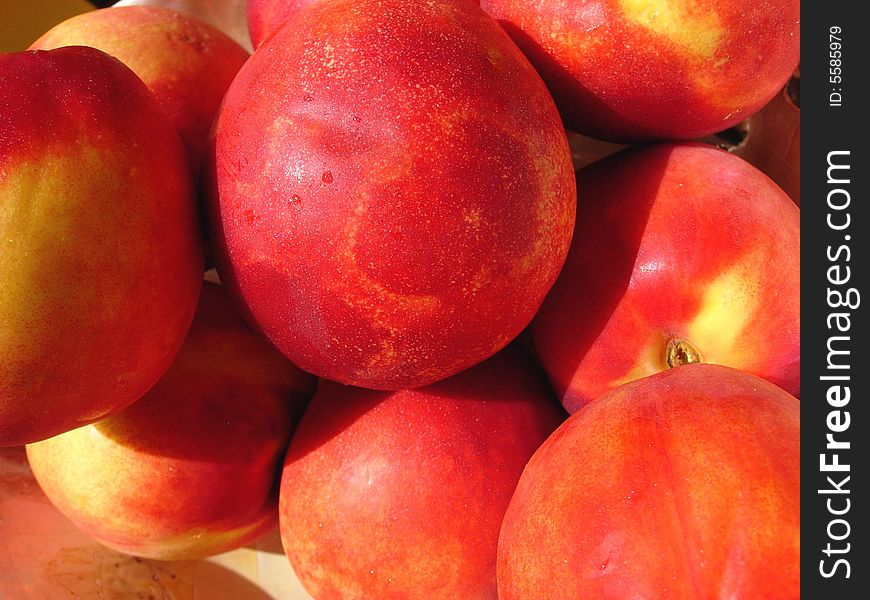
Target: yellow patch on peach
(80, 497)
(495, 57)
(692, 26)
(732, 298)
(358, 290)
(37, 220)
(548, 219)
(472, 218)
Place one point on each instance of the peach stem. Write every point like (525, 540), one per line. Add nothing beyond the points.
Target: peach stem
(681, 352)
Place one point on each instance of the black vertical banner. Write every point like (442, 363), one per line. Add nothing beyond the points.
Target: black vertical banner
(835, 226)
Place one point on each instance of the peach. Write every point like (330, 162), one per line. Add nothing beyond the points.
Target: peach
(629, 70)
(192, 468)
(401, 494)
(102, 255)
(392, 193)
(186, 63)
(682, 485)
(682, 253)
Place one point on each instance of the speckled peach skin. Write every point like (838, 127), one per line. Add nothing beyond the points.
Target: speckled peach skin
(675, 242)
(682, 485)
(392, 194)
(186, 63)
(102, 256)
(629, 70)
(401, 494)
(192, 468)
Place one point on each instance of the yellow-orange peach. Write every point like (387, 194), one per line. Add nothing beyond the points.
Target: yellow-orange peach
(628, 70)
(192, 468)
(682, 485)
(186, 63)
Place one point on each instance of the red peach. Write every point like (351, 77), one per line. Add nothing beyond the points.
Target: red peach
(392, 194)
(401, 494)
(186, 63)
(682, 253)
(191, 469)
(102, 255)
(629, 70)
(681, 485)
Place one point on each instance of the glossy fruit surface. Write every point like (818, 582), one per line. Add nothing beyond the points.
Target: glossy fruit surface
(629, 70)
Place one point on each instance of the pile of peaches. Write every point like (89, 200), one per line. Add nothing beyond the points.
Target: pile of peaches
(452, 348)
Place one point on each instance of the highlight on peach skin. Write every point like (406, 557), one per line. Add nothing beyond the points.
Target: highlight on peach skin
(682, 253)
